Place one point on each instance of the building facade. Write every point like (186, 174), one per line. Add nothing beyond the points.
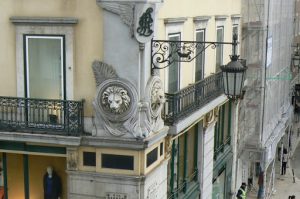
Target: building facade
(265, 113)
(200, 119)
(83, 93)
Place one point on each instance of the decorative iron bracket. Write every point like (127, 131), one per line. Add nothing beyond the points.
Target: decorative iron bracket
(165, 52)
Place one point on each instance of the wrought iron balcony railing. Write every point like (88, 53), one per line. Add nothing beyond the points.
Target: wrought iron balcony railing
(62, 117)
(191, 98)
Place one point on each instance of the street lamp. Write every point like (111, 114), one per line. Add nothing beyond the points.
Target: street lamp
(233, 74)
(165, 52)
(296, 59)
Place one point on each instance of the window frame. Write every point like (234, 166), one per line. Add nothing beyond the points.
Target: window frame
(26, 37)
(175, 34)
(36, 26)
(221, 27)
(202, 55)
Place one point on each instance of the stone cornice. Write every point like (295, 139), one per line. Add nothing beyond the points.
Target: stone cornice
(40, 138)
(19, 20)
(236, 16)
(201, 18)
(175, 20)
(123, 143)
(130, 1)
(221, 17)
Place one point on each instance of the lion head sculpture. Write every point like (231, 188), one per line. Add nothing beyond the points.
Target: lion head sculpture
(115, 99)
(157, 97)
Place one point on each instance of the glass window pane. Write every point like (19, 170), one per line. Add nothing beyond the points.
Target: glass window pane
(173, 85)
(219, 49)
(200, 37)
(89, 158)
(44, 67)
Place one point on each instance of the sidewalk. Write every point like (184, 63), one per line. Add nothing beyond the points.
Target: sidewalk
(284, 185)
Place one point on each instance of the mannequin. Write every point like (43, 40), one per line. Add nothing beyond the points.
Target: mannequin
(52, 184)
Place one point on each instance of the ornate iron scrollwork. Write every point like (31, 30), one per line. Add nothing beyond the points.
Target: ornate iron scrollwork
(145, 23)
(165, 52)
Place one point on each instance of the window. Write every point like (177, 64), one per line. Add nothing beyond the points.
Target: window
(89, 158)
(111, 161)
(199, 68)
(161, 149)
(152, 156)
(219, 49)
(182, 172)
(222, 134)
(44, 61)
(174, 68)
(44, 46)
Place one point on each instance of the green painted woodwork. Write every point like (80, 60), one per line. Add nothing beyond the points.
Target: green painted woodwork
(26, 176)
(185, 166)
(21, 146)
(196, 151)
(172, 169)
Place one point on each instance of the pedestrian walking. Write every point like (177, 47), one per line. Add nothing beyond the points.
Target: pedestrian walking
(292, 197)
(241, 194)
(284, 161)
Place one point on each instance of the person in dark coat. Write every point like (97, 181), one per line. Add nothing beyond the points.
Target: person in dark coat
(52, 185)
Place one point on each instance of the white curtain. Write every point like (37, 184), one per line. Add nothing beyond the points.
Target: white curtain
(44, 68)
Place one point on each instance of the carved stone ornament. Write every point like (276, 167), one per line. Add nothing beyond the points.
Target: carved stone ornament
(144, 22)
(115, 99)
(116, 196)
(169, 144)
(210, 117)
(157, 99)
(72, 159)
(115, 102)
(124, 9)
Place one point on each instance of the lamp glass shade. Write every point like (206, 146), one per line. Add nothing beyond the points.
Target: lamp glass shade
(233, 79)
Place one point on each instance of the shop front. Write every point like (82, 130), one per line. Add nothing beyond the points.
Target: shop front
(32, 171)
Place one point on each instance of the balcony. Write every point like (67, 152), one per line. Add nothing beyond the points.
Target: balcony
(191, 98)
(42, 116)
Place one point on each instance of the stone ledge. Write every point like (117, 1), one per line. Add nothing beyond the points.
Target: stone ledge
(130, 1)
(104, 177)
(17, 20)
(136, 144)
(40, 138)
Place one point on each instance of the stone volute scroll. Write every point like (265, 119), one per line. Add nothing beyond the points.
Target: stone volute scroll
(115, 102)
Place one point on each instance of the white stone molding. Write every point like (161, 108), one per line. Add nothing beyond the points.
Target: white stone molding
(201, 21)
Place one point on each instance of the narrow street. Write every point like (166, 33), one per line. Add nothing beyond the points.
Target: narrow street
(284, 184)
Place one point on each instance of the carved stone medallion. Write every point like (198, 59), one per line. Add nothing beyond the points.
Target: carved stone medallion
(116, 99)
